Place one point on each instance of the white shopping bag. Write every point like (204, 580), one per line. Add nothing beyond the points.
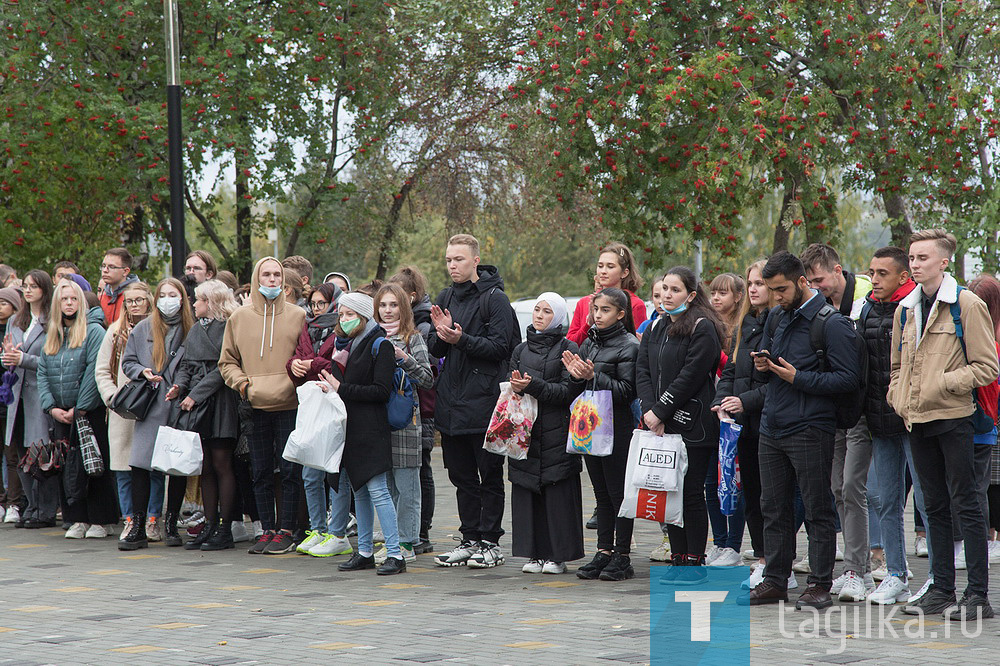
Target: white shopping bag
(661, 506)
(661, 463)
(320, 429)
(177, 452)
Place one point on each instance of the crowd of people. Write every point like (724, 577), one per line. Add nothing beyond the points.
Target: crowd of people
(850, 389)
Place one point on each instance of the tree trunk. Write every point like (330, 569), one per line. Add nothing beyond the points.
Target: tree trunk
(243, 264)
(899, 222)
(385, 251)
(781, 233)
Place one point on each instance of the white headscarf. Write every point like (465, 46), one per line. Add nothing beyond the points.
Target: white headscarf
(559, 310)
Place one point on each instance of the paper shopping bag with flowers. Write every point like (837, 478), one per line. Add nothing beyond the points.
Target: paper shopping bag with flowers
(591, 424)
(509, 433)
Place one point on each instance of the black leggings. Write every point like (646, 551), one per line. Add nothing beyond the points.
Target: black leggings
(750, 476)
(607, 475)
(692, 538)
(218, 481)
(176, 487)
(993, 495)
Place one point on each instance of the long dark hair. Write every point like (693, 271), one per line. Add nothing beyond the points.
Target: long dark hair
(699, 308)
(623, 302)
(42, 280)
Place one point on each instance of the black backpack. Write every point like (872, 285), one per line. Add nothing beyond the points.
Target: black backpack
(513, 336)
(850, 406)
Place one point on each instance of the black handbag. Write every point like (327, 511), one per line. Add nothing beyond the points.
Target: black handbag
(133, 400)
(193, 419)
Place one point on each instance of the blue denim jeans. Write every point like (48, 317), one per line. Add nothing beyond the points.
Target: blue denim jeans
(317, 501)
(404, 486)
(157, 482)
(890, 456)
(369, 498)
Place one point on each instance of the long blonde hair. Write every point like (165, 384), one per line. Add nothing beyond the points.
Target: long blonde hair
(158, 327)
(406, 325)
(746, 307)
(221, 304)
(77, 331)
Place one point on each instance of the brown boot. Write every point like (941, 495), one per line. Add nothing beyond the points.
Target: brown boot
(814, 597)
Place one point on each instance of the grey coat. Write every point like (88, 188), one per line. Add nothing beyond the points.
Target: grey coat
(199, 378)
(137, 357)
(36, 422)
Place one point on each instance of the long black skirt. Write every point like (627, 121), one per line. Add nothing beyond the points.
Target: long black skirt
(548, 525)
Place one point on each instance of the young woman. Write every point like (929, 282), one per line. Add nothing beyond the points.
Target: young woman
(656, 293)
(67, 390)
(607, 362)
(12, 502)
(616, 269)
(740, 396)
(728, 291)
(153, 353)
(545, 499)
(326, 537)
(363, 378)
(26, 422)
(675, 377)
(413, 282)
(394, 315)
(198, 381)
(138, 299)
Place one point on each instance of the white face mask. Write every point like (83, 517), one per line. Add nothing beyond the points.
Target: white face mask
(169, 305)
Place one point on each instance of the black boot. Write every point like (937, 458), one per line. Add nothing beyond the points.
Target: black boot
(170, 535)
(204, 535)
(221, 537)
(136, 538)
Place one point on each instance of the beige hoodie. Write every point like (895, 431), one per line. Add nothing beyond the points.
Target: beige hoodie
(260, 338)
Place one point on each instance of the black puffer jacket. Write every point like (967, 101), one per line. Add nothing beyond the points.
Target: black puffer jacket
(740, 379)
(469, 384)
(554, 388)
(675, 376)
(876, 328)
(614, 352)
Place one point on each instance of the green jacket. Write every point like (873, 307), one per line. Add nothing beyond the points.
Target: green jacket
(67, 378)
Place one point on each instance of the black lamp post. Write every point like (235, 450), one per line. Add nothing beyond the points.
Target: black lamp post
(176, 173)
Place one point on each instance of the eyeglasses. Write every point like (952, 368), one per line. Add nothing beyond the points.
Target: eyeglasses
(109, 267)
(318, 304)
(135, 301)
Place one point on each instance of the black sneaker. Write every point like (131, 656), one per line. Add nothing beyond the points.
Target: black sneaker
(391, 566)
(934, 602)
(592, 570)
(357, 563)
(422, 546)
(618, 568)
(972, 607)
(260, 543)
(281, 543)
(592, 523)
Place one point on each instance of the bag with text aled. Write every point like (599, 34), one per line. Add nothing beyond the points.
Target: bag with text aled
(661, 461)
(661, 506)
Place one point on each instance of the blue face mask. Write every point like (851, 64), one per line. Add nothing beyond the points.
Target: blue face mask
(678, 310)
(270, 293)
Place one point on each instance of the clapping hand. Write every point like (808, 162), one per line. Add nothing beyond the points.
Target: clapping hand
(577, 367)
(518, 381)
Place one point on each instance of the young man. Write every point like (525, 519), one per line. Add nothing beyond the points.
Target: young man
(63, 269)
(890, 276)
(260, 338)
(797, 431)
(932, 381)
(303, 267)
(473, 326)
(200, 266)
(116, 274)
(852, 450)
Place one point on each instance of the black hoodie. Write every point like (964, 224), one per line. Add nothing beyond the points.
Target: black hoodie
(469, 384)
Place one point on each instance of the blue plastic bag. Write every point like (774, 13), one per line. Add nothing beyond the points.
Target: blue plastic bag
(730, 485)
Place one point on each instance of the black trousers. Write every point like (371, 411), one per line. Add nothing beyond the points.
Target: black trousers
(692, 538)
(747, 447)
(944, 458)
(477, 476)
(607, 475)
(805, 456)
(426, 476)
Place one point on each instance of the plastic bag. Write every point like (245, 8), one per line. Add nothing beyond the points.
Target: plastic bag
(177, 452)
(591, 424)
(662, 461)
(730, 484)
(509, 433)
(661, 506)
(320, 429)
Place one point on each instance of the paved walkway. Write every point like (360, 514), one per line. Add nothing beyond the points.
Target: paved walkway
(65, 602)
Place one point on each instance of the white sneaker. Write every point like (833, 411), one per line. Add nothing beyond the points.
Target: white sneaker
(748, 554)
(240, 533)
(713, 553)
(457, 556)
(890, 591)
(489, 555)
(959, 555)
(551, 567)
(792, 583)
(853, 588)
(154, 531)
(923, 590)
(727, 558)
(195, 518)
(378, 537)
(838, 584)
(840, 554)
(381, 555)
(756, 577)
(880, 572)
(662, 552)
(13, 514)
(96, 532)
(313, 538)
(920, 546)
(802, 566)
(533, 567)
(126, 528)
(330, 546)
(407, 553)
(994, 552)
(77, 531)
(258, 529)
